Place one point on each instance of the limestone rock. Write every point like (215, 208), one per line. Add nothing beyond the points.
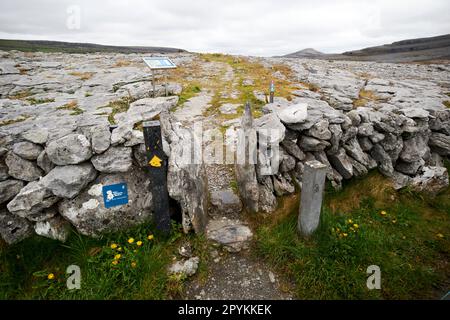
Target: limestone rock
(115, 159)
(68, 181)
(232, 234)
(282, 185)
(13, 228)
(31, 199)
(383, 159)
(27, 150)
(341, 162)
(432, 180)
(187, 267)
(37, 135)
(320, 130)
(293, 114)
(55, 228)
(71, 149)
(293, 149)
(9, 189)
(440, 143)
(22, 169)
(226, 202)
(312, 144)
(100, 139)
(44, 162)
(88, 214)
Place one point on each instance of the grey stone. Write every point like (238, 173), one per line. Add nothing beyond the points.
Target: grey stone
(115, 159)
(226, 202)
(383, 159)
(293, 149)
(267, 201)
(358, 169)
(336, 136)
(71, 149)
(409, 168)
(400, 180)
(287, 163)
(312, 193)
(320, 130)
(187, 267)
(293, 114)
(27, 150)
(376, 137)
(88, 214)
(68, 181)
(55, 228)
(137, 137)
(282, 185)
(432, 180)
(31, 199)
(354, 150)
(100, 139)
(232, 234)
(44, 162)
(9, 189)
(14, 229)
(365, 143)
(312, 144)
(341, 162)
(270, 129)
(440, 143)
(415, 149)
(37, 135)
(22, 169)
(366, 130)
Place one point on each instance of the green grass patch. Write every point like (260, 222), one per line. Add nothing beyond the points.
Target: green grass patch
(34, 101)
(12, 121)
(111, 267)
(447, 103)
(367, 223)
(21, 95)
(189, 91)
(118, 106)
(73, 107)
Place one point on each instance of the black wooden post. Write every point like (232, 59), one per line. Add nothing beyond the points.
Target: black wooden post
(157, 163)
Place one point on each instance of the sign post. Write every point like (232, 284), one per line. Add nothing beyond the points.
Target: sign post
(159, 63)
(272, 91)
(157, 164)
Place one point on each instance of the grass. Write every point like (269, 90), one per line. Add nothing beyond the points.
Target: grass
(410, 243)
(72, 106)
(122, 63)
(189, 91)
(21, 95)
(365, 96)
(83, 75)
(139, 274)
(12, 121)
(447, 104)
(118, 106)
(34, 101)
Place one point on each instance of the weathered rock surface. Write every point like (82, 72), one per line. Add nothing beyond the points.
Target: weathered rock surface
(71, 149)
(115, 159)
(22, 169)
(226, 202)
(232, 234)
(186, 267)
(87, 211)
(55, 228)
(27, 150)
(9, 189)
(432, 180)
(13, 228)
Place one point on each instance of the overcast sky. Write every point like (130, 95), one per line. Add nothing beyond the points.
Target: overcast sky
(250, 27)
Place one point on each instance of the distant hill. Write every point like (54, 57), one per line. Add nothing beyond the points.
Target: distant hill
(305, 53)
(412, 50)
(69, 47)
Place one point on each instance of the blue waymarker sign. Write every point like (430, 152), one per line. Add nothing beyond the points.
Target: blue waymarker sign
(115, 195)
(272, 87)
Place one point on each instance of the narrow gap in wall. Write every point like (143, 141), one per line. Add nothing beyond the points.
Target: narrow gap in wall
(175, 210)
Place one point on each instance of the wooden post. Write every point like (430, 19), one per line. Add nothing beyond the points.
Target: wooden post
(157, 163)
(313, 184)
(153, 83)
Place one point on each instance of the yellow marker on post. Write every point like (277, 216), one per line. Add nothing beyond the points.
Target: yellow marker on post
(155, 162)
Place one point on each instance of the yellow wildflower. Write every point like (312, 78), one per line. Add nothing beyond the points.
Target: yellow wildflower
(139, 243)
(117, 256)
(355, 225)
(133, 264)
(150, 237)
(440, 235)
(131, 240)
(345, 234)
(115, 262)
(383, 213)
(51, 276)
(394, 221)
(350, 221)
(113, 246)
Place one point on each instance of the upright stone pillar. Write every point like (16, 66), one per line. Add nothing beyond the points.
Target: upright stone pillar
(246, 161)
(313, 184)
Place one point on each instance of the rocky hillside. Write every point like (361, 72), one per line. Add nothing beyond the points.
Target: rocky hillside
(413, 50)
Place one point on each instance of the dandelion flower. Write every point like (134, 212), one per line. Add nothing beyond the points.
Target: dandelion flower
(355, 225)
(139, 243)
(115, 262)
(345, 235)
(440, 235)
(113, 246)
(150, 237)
(383, 213)
(350, 221)
(131, 240)
(133, 264)
(117, 256)
(51, 276)
(119, 249)
(394, 221)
